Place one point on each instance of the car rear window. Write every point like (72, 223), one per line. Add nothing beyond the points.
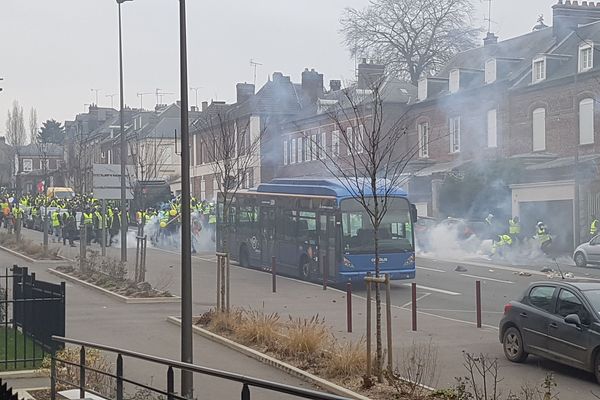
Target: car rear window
(541, 297)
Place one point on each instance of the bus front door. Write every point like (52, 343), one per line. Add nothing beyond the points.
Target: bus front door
(327, 246)
(267, 245)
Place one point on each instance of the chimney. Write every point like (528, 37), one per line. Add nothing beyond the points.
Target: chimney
(335, 85)
(312, 84)
(194, 109)
(279, 78)
(490, 39)
(369, 74)
(244, 91)
(568, 15)
(2, 140)
(204, 105)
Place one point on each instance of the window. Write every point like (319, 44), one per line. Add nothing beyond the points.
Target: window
(492, 129)
(307, 227)
(568, 303)
(539, 70)
(300, 156)
(285, 152)
(422, 89)
(314, 146)
(359, 140)
(423, 131)
(490, 71)
(541, 297)
(349, 139)
(27, 165)
(454, 84)
(454, 130)
(335, 143)
(586, 57)
(293, 153)
(539, 129)
(323, 146)
(586, 121)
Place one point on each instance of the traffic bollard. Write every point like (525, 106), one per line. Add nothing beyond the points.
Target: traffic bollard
(274, 273)
(349, 306)
(324, 273)
(478, 300)
(414, 306)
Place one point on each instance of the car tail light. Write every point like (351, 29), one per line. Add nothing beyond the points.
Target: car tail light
(507, 308)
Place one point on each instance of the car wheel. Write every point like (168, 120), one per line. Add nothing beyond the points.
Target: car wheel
(244, 258)
(580, 260)
(305, 269)
(512, 344)
(597, 367)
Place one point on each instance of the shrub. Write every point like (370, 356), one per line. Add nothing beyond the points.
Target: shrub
(346, 360)
(417, 370)
(225, 322)
(304, 337)
(257, 327)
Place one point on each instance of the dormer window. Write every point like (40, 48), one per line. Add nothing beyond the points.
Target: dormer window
(586, 56)
(539, 70)
(454, 81)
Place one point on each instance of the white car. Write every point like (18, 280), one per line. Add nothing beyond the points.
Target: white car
(588, 253)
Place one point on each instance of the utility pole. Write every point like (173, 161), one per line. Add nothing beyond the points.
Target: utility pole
(141, 96)
(96, 91)
(195, 89)
(123, 155)
(255, 65)
(187, 354)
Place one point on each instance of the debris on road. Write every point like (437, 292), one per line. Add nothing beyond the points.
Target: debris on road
(546, 269)
(460, 268)
(523, 273)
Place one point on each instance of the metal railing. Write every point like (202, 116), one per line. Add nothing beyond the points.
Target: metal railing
(169, 392)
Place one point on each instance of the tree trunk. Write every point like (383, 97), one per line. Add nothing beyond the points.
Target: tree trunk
(379, 350)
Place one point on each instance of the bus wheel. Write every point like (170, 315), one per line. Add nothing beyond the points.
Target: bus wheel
(305, 269)
(244, 258)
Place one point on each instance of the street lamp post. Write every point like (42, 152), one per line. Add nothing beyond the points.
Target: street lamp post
(124, 224)
(187, 383)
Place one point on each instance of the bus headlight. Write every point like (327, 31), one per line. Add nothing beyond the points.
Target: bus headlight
(347, 263)
(410, 260)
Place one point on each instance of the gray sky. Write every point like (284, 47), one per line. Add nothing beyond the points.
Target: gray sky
(53, 52)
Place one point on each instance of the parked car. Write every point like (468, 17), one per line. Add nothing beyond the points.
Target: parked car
(423, 228)
(587, 253)
(556, 320)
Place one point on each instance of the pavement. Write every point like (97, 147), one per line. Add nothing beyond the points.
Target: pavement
(446, 304)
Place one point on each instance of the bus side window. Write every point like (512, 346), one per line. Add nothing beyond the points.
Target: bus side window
(307, 227)
(286, 226)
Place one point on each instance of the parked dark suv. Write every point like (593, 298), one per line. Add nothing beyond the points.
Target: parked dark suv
(556, 320)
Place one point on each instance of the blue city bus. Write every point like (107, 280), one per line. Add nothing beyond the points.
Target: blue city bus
(314, 227)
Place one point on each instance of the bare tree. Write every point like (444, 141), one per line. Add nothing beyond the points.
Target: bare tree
(77, 160)
(367, 156)
(33, 125)
(232, 150)
(410, 37)
(15, 126)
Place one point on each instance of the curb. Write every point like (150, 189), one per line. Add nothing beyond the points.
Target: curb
(280, 365)
(29, 259)
(119, 297)
(24, 374)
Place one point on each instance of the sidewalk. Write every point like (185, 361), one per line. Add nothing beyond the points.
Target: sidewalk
(452, 337)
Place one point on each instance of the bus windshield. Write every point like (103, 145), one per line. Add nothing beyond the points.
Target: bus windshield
(395, 231)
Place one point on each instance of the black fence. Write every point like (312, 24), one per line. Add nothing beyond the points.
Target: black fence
(116, 389)
(31, 312)
(6, 392)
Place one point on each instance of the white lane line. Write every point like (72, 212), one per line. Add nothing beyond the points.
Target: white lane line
(459, 311)
(418, 298)
(432, 269)
(435, 290)
(483, 278)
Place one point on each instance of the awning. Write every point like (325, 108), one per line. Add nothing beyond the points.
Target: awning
(441, 167)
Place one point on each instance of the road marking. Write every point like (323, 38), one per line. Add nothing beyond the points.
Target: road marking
(432, 269)
(435, 290)
(418, 298)
(487, 279)
(462, 311)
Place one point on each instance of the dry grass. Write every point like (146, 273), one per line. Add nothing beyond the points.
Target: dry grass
(345, 360)
(28, 247)
(223, 322)
(259, 328)
(304, 337)
(417, 370)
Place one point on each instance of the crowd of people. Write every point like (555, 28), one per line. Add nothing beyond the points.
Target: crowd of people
(72, 218)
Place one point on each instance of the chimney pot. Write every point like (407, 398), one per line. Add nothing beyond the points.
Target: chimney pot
(490, 39)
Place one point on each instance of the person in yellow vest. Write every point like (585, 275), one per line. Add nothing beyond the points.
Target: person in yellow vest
(99, 224)
(87, 222)
(544, 237)
(593, 227)
(514, 229)
(56, 228)
(502, 245)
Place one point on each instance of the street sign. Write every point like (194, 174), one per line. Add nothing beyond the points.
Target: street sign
(107, 181)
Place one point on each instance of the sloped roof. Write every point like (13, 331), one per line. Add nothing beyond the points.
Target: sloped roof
(34, 150)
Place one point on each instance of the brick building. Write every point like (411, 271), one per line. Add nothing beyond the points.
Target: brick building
(36, 163)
